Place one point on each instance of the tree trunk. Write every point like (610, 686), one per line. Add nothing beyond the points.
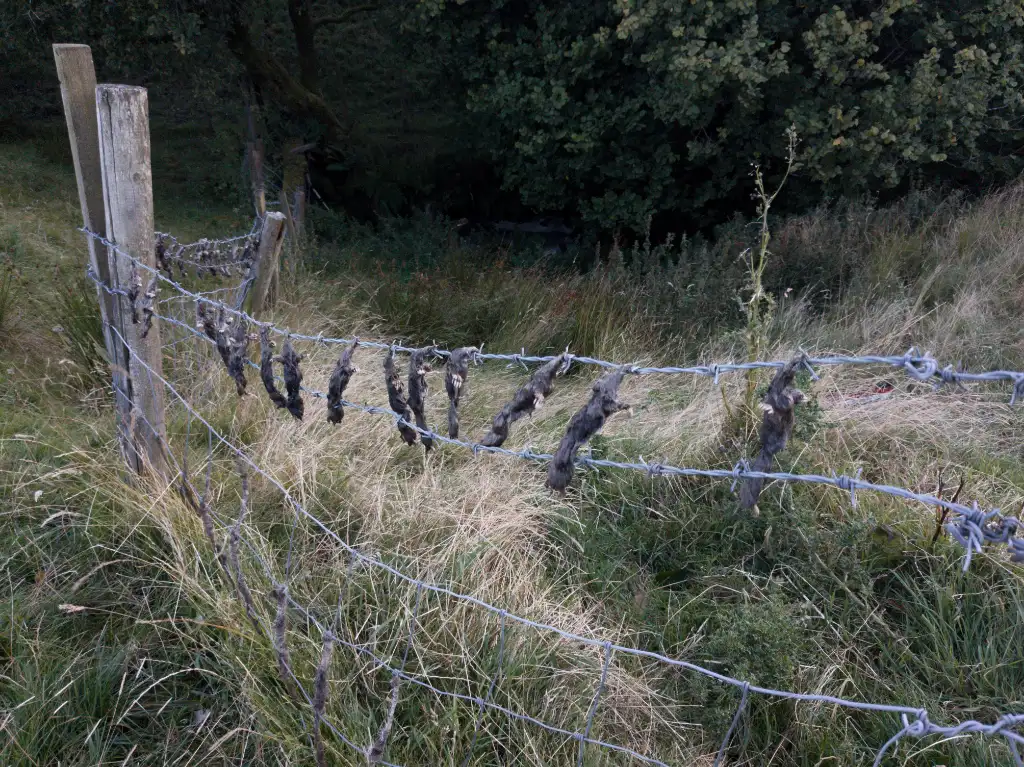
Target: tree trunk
(304, 28)
(266, 71)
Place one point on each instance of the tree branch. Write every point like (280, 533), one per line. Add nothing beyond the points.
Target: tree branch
(264, 69)
(344, 16)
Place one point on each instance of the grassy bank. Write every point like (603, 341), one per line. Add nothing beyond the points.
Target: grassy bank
(124, 644)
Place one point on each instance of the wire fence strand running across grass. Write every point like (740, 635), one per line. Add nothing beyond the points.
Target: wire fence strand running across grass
(915, 722)
(922, 368)
(972, 528)
(183, 248)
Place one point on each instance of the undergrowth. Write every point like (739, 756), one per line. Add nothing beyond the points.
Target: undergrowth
(123, 643)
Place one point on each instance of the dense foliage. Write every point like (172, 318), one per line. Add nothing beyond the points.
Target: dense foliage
(611, 111)
(626, 108)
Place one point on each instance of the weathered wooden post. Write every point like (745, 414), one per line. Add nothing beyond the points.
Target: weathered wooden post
(256, 174)
(293, 234)
(299, 220)
(299, 211)
(268, 259)
(123, 118)
(78, 92)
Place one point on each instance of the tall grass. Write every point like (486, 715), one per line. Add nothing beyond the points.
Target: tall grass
(81, 331)
(155, 662)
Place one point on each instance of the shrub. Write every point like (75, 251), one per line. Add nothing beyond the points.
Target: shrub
(621, 110)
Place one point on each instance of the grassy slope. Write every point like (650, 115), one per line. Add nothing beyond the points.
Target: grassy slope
(809, 594)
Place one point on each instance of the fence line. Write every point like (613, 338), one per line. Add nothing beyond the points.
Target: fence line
(972, 527)
(205, 242)
(922, 368)
(915, 721)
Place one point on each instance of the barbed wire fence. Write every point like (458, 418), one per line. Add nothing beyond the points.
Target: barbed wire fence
(970, 525)
(220, 320)
(913, 722)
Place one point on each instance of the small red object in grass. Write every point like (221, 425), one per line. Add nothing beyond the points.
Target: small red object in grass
(884, 388)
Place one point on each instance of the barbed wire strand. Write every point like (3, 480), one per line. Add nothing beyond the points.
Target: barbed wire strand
(972, 527)
(921, 368)
(205, 242)
(268, 571)
(916, 721)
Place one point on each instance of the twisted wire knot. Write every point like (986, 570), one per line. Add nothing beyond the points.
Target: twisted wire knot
(738, 471)
(950, 376)
(517, 358)
(969, 532)
(849, 484)
(920, 727)
(653, 469)
(1005, 722)
(1018, 389)
(919, 368)
(805, 362)
(715, 371)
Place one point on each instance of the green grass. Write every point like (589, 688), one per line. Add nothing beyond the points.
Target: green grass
(123, 643)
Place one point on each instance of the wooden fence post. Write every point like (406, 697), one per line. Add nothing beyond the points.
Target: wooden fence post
(78, 92)
(268, 260)
(299, 219)
(299, 211)
(256, 174)
(293, 234)
(123, 118)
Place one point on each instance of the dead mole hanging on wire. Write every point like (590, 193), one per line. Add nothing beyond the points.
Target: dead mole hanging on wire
(779, 406)
(585, 424)
(292, 375)
(526, 400)
(418, 369)
(456, 371)
(231, 336)
(267, 368)
(396, 398)
(343, 371)
(292, 378)
(238, 347)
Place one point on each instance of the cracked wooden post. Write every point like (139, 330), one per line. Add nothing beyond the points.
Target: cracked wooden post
(123, 118)
(256, 156)
(78, 92)
(268, 260)
(293, 234)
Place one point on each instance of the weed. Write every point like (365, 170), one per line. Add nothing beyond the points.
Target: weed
(81, 331)
(8, 307)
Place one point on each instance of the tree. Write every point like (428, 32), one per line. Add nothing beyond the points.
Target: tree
(340, 77)
(620, 109)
